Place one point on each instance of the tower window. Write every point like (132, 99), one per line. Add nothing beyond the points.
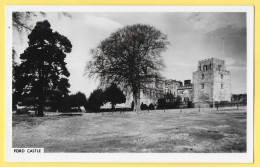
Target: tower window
(221, 76)
(202, 76)
(202, 86)
(221, 86)
(205, 67)
(219, 67)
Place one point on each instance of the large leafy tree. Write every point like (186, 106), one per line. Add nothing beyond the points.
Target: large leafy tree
(71, 101)
(114, 95)
(80, 99)
(77, 100)
(130, 57)
(43, 69)
(22, 22)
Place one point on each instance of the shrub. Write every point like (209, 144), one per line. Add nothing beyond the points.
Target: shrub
(143, 106)
(190, 104)
(114, 95)
(65, 105)
(96, 99)
(161, 104)
(224, 102)
(151, 107)
(21, 109)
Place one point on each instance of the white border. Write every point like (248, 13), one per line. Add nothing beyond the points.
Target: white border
(131, 157)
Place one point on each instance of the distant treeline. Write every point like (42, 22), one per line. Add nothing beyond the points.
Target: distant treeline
(239, 98)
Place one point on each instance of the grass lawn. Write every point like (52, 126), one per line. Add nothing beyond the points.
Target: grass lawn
(173, 131)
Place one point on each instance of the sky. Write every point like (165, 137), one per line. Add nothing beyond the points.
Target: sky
(192, 36)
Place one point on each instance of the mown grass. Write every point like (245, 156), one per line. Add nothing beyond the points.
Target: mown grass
(156, 131)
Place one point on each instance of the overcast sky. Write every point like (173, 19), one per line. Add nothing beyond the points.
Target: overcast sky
(192, 36)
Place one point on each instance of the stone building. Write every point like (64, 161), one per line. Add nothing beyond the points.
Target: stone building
(154, 91)
(186, 92)
(211, 83)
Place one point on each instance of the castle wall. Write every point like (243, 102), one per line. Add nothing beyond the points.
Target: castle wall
(172, 86)
(186, 94)
(222, 86)
(201, 95)
(149, 95)
(202, 82)
(212, 82)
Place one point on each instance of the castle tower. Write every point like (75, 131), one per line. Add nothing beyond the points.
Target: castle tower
(211, 83)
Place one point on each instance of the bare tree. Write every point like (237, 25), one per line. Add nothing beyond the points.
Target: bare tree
(20, 20)
(130, 57)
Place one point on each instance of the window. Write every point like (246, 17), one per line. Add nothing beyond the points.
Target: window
(202, 86)
(205, 68)
(221, 76)
(202, 76)
(221, 86)
(219, 67)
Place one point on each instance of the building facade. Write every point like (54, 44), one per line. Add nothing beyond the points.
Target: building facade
(154, 91)
(211, 84)
(185, 91)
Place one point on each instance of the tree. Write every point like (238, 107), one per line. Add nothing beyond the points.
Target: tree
(43, 69)
(178, 101)
(80, 99)
(169, 97)
(20, 20)
(143, 106)
(151, 107)
(239, 98)
(130, 57)
(161, 103)
(14, 65)
(114, 95)
(96, 99)
(74, 100)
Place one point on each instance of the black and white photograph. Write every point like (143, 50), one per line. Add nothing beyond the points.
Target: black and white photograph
(129, 84)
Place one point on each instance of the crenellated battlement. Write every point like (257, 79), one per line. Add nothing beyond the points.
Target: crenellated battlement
(211, 64)
(211, 60)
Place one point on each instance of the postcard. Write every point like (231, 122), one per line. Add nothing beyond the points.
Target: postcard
(129, 84)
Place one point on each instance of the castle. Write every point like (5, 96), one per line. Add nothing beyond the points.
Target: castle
(211, 84)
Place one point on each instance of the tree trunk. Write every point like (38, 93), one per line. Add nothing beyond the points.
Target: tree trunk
(40, 107)
(41, 100)
(136, 96)
(41, 96)
(112, 106)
